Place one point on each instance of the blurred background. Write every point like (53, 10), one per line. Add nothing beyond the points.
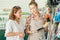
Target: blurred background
(6, 6)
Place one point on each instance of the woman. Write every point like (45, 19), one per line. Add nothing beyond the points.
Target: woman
(48, 25)
(14, 29)
(34, 22)
(58, 32)
(57, 22)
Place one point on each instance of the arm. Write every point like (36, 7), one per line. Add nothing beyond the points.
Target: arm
(12, 34)
(50, 32)
(45, 24)
(28, 25)
(9, 30)
(15, 34)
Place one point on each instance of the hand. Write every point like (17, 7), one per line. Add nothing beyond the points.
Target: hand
(21, 34)
(30, 32)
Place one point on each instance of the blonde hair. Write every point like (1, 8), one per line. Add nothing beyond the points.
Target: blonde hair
(33, 2)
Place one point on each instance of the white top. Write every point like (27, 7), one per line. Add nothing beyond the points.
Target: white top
(13, 26)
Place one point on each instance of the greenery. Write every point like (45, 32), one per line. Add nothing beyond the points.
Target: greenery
(25, 13)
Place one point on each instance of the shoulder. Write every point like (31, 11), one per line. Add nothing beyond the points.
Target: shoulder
(10, 22)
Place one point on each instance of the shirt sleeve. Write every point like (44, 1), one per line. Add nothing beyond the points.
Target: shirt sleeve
(8, 27)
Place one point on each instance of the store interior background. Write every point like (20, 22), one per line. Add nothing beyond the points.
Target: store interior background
(6, 6)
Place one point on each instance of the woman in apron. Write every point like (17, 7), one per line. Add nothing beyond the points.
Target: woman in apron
(34, 23)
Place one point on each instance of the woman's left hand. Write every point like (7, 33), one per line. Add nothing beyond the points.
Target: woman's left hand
(22, 34)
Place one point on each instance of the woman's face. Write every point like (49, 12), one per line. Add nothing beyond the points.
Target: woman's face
(18, 14)
(33, 9)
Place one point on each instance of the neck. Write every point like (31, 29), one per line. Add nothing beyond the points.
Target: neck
(17, 20)
(37, 15)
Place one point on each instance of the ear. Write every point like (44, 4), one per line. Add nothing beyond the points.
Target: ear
(14, 13)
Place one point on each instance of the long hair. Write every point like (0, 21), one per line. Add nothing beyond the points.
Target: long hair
(14, 10)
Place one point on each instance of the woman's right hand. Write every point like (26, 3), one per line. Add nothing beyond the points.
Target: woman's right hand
(30, 32)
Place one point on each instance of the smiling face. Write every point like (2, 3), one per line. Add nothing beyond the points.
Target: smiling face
(33, 9)
(15, 13)
(18, 14)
